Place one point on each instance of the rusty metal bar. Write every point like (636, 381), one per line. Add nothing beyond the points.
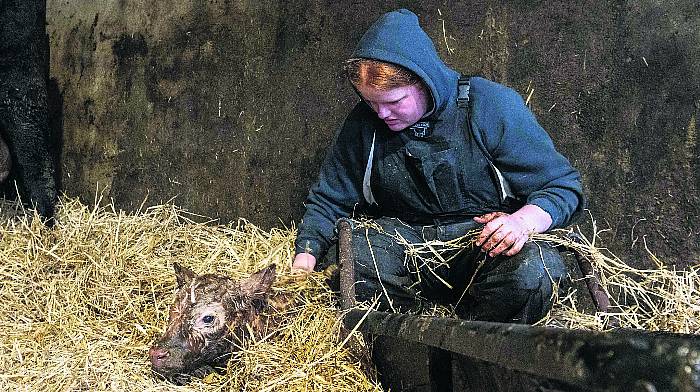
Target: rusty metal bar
(599, 296)
(347, 267)
(616, 361)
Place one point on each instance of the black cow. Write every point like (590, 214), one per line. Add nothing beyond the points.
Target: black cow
(24, 123)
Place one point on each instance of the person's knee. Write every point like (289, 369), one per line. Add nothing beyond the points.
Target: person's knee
(538, 265)
(365, 290)
(378, 258)
(519, 288)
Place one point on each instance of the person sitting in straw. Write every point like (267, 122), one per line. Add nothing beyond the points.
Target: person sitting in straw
(430, 155)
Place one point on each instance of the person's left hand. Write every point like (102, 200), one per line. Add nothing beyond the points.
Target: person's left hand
(304, 262)
(503, 233)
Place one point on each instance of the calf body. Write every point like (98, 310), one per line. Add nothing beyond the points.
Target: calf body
(210, 319)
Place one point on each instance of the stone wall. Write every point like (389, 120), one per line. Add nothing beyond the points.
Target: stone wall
(228, 106)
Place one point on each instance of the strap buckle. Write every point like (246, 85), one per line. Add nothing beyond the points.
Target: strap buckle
(463, 92)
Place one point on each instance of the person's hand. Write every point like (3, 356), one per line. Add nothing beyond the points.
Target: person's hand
(507, 233)
(304, 262)
(502, 234)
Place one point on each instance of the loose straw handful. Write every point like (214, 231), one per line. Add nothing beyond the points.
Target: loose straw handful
(80, 304)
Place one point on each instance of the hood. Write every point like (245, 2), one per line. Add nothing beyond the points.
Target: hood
(396, 37)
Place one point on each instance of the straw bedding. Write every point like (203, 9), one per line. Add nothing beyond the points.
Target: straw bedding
(81, 304)
(654, 299)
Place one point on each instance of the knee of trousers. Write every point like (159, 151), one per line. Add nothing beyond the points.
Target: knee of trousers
(365, 290)
(537, 265)
(384, 278)
(377, 256)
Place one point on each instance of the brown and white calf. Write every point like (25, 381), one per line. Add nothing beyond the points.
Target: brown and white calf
(210, 319)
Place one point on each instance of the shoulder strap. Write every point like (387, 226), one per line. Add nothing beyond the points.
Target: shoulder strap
(464, 102)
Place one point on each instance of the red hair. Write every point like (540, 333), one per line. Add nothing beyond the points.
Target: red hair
(379, 74)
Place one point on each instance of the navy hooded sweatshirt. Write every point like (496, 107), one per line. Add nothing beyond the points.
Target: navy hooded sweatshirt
(448, 174)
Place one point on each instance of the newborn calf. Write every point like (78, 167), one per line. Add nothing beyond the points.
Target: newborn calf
(208, 321)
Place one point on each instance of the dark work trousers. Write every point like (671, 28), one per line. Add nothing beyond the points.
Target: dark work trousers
(514, 289)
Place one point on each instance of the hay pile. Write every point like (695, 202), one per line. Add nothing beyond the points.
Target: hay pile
(80, 305)
(654, 299)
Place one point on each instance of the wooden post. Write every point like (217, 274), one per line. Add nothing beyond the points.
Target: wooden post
(347, 267)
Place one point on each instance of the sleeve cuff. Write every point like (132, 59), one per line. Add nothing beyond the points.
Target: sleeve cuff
(307, 246)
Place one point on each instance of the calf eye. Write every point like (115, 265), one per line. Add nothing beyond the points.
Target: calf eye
(208, 319)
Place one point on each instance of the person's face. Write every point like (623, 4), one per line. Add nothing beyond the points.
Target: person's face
(399, 107)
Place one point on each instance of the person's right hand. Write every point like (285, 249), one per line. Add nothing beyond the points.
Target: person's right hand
(304, 262)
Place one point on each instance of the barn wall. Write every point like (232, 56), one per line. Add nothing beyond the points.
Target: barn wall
(228, 106)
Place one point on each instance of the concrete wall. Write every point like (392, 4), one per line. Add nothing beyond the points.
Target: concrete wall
(229, 105)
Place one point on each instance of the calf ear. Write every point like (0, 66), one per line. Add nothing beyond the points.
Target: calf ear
(259, 284)
(184, 275)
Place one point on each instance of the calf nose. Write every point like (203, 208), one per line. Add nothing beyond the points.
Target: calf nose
(158, 355)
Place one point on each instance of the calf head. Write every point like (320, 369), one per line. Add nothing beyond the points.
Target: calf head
(208, 321)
